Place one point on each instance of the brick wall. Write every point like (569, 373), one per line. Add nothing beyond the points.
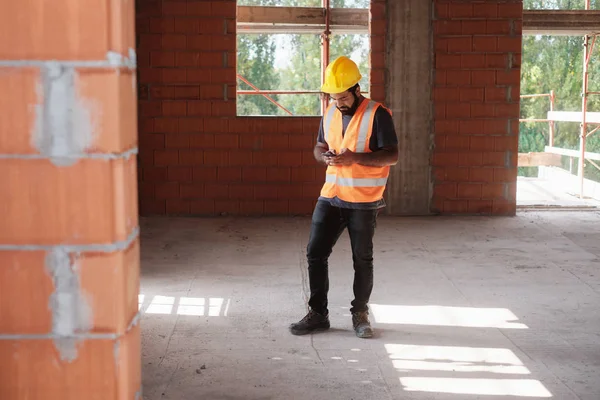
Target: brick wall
(196, 156)
(476, 103)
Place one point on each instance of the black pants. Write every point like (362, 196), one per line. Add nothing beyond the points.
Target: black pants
(328, 223)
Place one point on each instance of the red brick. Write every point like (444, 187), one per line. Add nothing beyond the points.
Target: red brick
(161, 92)
(174, 8)
(191, 157)
(497, 27)
(192, 191)
(204, 174)
(278, 174)
(504, 207)
(174, 108)
(471, 94)
(458, 110)
(276, 142)
(460, 44)
(229, 174)
(474, 28)
(217, 158)
(162, 59)
(187, 59)
(180, 174)
(509, 44)
(518, 28)
(167, 190)
(448, 61)
(223, 108)
(166, 157)
(255, 207)
(216, 191)
(153, 207)
(198, 108)
(289, 158)
(508, 110)
(458, 142)
(485, 44)
(480, 206)
(506, 143)
(174, 75)
(301, 142)
(173, 42)
(241, 158)
(469, 190)
(485, 10)
(150, 75)
(146, 190)
(254, 174)
(496, 127)
(152, 141)
(241, 191)
(481, 175)
(483, 110)
(202, 207)
(153, 174)
(447, 27)
(446, 190)
(378, 60)
(301, 207)
(473, 60)
(186, 92)
(198, 8)
(212, 26)
(223, 75)
(303, 174)
(493, 190)
(482, 143)
(223, 8)
(162, 25)
(178, 141)
(212, 92)
(439, 111)
(227, 141)
(378, 11)
(442, 159)
(216, 125)
(150, 108)
(265, 192)
(441, 10)
(187, 25)
(227, 207)
(494, 158)
(149, 42)
(309, 191)
(496, 94)
(512, 77)
(191, 125)
(222, 42)
(202, 141)
(483, 78)
(445, 94)
(196, 75)
(471, 127)
(456, 10)
(440, 78)
(510, 10)
(470, 159)
(176, 206)
(276, 207)
(459, 78)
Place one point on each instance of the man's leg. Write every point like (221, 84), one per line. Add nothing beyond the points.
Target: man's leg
(326, 227)
(361, 227)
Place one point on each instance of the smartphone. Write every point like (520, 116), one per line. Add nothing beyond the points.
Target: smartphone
(329, 153)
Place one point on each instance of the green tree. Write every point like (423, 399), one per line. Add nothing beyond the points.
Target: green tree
(556, 63)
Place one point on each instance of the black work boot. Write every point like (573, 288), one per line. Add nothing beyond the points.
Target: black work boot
(362, 326)
(313, 321)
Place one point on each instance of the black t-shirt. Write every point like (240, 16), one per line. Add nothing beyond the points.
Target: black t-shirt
(383, 135)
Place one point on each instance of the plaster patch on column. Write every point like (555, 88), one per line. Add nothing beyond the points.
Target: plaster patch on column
(71, 312)
(63, 128)
(116, 350)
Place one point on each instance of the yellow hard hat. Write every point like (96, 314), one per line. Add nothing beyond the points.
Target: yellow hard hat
(340, 76)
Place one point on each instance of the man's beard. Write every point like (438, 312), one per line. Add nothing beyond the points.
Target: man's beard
(350, 110)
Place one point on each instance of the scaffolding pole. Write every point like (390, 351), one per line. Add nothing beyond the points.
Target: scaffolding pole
(325, 37)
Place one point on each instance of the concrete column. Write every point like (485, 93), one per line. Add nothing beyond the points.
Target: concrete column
(408, 94)
(69, 254)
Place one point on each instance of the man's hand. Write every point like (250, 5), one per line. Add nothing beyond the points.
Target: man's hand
(345, 158)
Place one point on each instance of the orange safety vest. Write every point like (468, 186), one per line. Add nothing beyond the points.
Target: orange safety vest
(355, 183)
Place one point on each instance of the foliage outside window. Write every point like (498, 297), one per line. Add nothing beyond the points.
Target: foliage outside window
(292, 62)
(556, 63)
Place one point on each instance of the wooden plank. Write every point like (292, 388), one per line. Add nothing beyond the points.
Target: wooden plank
(572, 153)
(537, 159)
(574, 116)
(561, 22)
(300, 19)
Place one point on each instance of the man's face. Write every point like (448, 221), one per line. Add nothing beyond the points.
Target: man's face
(346, 102)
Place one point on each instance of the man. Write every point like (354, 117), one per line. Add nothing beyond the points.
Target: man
(358, 143)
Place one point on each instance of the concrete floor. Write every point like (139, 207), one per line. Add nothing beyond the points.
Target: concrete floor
(464, 308)
(540, 192)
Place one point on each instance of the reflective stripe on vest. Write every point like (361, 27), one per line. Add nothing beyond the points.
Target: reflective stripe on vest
(355, 182)
(363, 129)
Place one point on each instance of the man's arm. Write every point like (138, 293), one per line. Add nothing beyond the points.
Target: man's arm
(383, 157)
